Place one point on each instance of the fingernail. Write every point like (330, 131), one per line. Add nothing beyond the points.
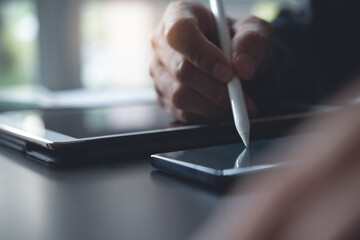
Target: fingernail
(245, 66)
(222, 72)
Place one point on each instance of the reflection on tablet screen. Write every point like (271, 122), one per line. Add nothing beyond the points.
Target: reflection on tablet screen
(84, 123)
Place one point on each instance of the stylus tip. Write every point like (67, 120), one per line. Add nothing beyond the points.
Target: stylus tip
(245, 138)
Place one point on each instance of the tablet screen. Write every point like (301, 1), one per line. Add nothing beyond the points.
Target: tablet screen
(67, 125)
(86, 123)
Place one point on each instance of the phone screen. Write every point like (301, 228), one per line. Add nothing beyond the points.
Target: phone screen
(225, 157)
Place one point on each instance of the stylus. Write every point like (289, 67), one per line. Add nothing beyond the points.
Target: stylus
(237, 99)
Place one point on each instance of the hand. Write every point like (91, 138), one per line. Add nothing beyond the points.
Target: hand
(318, 198)
(189, 70)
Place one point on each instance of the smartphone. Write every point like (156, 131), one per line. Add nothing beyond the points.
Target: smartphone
(219, 165)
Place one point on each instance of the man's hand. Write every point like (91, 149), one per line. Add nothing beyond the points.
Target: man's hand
(190, 72)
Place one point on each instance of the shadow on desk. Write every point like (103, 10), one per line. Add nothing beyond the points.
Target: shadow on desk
(56, 172)
(172, 181)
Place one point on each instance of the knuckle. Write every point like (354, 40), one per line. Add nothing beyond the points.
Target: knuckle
(256, 20)
(153, 41)
(152, 68)
(185, 117)
(151, 72)
(256, 39)
(182, 72)
(178, 97)
(182, 116)
(179, 4)
(158, 92)
(251, 19)
(222, 98)
(265, 25)
(200, 57)
(173, 4)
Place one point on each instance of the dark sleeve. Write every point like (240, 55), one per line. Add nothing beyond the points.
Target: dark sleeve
(316, 50)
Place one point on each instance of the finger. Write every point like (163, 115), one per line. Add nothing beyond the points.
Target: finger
(187, 117)
(201, 83)
(177, 96)
(197, 80)
(184, 32)
(186, 73)
(251, 43)
(251, 107)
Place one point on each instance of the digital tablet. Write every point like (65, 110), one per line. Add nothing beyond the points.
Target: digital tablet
(82, 135)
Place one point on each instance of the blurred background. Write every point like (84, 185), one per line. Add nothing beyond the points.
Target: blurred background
(95, 45)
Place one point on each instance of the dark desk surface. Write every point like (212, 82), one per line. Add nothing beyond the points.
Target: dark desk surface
(123, 200)
(109, 201)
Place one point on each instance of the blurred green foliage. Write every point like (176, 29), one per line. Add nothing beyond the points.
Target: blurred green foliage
(268, 10)
(18, 45)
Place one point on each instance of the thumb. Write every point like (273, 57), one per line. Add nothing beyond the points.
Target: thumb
(250, 44)
(184, 32)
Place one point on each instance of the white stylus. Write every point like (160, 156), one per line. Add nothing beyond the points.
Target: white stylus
(237, 99)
